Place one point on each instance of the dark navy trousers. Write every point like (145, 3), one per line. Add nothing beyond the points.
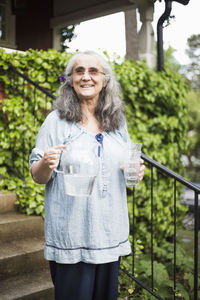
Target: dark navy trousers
(82, 281)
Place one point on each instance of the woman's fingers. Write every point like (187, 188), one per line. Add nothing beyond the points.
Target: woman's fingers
(60, 147)
(142, 168)
(141, 171)
(52, 155)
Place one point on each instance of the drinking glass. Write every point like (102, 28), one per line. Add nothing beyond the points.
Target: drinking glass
(132, 163)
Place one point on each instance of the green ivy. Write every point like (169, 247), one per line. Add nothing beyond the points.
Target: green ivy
(21, 115)
(156, 117)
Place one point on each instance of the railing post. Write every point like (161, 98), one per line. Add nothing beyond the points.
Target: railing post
(133, 230)
(34, 110)
(174, 239)
(13, 79)
(196, 228)
(152, 233)
(23, 154)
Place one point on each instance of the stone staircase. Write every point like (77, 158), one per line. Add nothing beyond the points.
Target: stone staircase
(24, 273)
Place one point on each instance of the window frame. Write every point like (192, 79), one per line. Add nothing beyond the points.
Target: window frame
(10, 25)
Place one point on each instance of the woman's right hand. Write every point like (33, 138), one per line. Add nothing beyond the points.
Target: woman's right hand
(52, 155)
(42, 170)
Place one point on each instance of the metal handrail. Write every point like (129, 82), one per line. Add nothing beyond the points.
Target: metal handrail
(171, 173)
(39, 87)
(196, 190)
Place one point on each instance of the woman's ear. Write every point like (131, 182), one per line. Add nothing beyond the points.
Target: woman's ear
(106, 79)
(69, 81)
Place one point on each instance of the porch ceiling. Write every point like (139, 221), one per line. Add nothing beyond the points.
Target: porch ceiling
(76, 11)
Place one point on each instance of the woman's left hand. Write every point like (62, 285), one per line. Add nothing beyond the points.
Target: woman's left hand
(142, 167)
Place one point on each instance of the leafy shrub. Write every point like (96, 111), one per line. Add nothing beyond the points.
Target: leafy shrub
(157, 117)
(22, 112)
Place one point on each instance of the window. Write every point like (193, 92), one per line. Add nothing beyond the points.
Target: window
(7, 25)
(3, 20)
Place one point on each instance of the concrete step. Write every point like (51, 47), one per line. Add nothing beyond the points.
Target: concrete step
(24, 273)
(7, 202)
(21, 256)
(14, 226)
(31, 286)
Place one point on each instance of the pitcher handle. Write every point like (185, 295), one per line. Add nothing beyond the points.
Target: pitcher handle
(57, 171)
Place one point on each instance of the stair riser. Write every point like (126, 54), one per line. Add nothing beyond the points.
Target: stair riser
(47, 294)
(7, 202)
(21, 229)
(29, 286)
(21, 264)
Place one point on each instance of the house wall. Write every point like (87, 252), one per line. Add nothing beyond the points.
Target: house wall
(38, 25)
(33, 29)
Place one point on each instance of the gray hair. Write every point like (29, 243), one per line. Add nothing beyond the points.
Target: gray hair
(109, 110)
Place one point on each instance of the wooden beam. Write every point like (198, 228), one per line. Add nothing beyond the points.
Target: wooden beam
(87, 13)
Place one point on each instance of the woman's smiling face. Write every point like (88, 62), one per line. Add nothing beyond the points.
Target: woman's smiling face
(88, 77)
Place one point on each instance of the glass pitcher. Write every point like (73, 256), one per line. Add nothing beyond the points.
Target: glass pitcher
(79, 166)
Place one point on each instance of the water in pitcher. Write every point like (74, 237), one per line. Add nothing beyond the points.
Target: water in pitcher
(77, 185)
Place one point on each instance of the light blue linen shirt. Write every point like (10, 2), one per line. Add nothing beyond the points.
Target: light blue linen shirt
(92, 229)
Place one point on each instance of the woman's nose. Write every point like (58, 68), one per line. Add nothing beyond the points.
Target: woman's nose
(86, 75)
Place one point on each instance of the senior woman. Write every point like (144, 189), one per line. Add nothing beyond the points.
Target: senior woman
(85, 237)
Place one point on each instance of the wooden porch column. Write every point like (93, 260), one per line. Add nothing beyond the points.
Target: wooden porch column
(131, 34)
(146, 33)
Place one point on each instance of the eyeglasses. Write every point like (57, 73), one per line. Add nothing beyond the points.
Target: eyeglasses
(92, 72)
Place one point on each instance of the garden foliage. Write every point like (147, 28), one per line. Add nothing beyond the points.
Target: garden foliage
(156, 117)
(22, 112)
